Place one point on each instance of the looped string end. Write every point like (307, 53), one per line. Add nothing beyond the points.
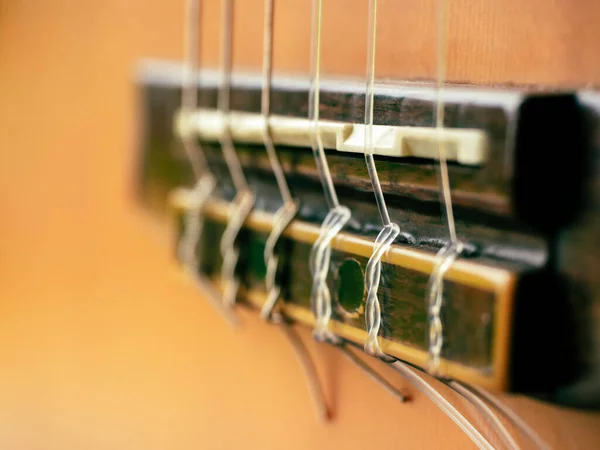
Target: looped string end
(239, 212)
(383, 242)
(283, 217)
(194, 222)
(435, 299)
(319, 261)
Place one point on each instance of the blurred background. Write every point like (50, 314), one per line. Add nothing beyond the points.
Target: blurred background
(102, 344)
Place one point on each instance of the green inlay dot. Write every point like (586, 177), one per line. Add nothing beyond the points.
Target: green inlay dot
(350, 284)
(256, 249)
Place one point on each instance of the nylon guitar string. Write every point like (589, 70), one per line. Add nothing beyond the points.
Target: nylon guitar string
(284, 215)
(244, 198)
(390, 231)
(338, 215)
(384, 240)
(444, 260)
(204, 179)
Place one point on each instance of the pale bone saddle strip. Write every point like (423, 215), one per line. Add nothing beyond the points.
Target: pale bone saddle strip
(465, 146)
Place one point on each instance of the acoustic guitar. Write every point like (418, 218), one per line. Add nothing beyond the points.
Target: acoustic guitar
(403, 194)
(306, 189)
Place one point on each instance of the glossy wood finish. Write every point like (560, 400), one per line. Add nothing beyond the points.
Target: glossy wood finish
(489, 42)
(104, 346)
(509, 117)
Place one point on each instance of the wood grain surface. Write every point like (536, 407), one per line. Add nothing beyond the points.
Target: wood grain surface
(103, 345)
(489, 42)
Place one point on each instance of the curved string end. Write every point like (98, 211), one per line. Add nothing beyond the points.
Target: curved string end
(435, 299)
(266, 311)
(214, 299)
(513, 417)
(324, 412)
(376, 376)
(441, 402)
(239, 212)
(486, 411)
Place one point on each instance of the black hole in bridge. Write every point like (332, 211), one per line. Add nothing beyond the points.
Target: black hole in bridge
(350, 285)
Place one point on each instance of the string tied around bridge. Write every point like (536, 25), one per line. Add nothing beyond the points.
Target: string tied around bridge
(243, 202)
(205, 181)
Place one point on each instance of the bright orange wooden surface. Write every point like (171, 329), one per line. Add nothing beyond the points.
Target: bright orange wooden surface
(102, 346)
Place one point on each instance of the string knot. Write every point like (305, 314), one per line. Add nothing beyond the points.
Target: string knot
(320, 256)
(238, 213)
(444, 260)
(193, 222)
(383, 242)
(282, 219)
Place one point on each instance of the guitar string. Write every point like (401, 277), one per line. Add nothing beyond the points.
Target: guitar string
(507, 412)
(442, 63)
(441, 402)
(306, 362)
(289, 208)
(450, 252)
(314, 102)
(199, 164)
(374, 375)
(384, 240)
(204, 180)
(338, 215)
(390, 231)
(335, 220)
(224, 97)
(243, 202)
(513, 417)
(486, 411)
(282, 219)
(518, 422)
(189, 93)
